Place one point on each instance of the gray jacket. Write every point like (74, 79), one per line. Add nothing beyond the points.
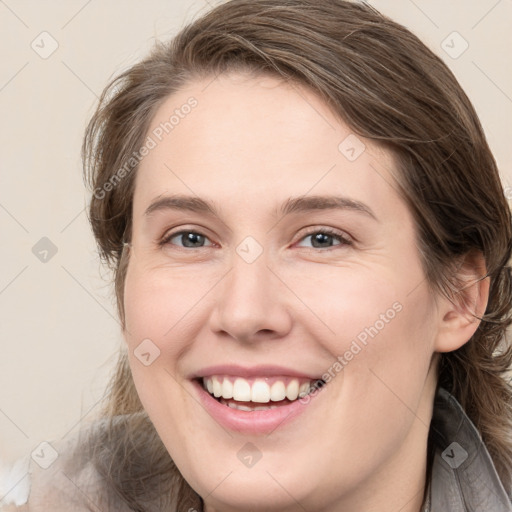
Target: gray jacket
(463, 475)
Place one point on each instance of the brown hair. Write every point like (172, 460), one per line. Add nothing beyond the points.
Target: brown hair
(384, 83)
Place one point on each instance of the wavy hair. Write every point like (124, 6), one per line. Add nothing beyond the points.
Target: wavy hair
(387, 86)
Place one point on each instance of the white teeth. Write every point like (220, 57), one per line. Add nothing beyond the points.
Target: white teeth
(227, 389)
(259, 392)
(277, 391)
(246, 408)
(217, 388)
(304, 389)
(292, 390)
(241, 407)
(241, 390)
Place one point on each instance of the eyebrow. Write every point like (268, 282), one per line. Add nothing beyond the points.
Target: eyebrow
(311, 203)
(301, 204)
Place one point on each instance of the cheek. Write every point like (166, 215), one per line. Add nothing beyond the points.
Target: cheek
(342, 304)
(165, 309)
(153, 310)
(370, 321)
(155, 313)
(385, 365)
(160, 304)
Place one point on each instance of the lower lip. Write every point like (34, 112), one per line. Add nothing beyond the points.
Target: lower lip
(252, 422)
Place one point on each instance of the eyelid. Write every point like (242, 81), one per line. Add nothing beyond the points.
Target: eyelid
(169, 234)
(344, 238)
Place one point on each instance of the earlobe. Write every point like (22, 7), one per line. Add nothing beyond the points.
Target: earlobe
(459, 317)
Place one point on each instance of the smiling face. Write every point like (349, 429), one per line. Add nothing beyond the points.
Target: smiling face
(293, 257)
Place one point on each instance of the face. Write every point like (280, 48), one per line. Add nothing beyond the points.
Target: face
(271, 248)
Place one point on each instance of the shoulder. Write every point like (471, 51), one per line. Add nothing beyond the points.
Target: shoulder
(59, 476)
(14, 484)
(463, 473)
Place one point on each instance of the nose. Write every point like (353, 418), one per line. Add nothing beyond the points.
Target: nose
(251, 303)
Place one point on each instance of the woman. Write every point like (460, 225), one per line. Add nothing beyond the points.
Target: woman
(310, 247)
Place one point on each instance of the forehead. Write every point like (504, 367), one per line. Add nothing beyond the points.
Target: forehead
(236, 135)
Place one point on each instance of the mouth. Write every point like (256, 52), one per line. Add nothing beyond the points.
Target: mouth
(258, 394)
(256, 405)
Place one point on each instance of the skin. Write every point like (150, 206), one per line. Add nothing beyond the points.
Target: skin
(249, 145)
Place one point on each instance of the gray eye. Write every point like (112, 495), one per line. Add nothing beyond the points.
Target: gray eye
(189, 239)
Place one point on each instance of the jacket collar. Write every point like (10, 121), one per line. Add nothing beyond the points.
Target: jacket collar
(463, 477)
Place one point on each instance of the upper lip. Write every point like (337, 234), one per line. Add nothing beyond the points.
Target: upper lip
(253, 371)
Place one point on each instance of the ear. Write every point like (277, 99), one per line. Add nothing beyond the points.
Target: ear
(459, 316)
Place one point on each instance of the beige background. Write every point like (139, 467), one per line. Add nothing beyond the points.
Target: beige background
(58, 328)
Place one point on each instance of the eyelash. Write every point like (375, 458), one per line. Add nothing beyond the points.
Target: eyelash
(344, 240)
